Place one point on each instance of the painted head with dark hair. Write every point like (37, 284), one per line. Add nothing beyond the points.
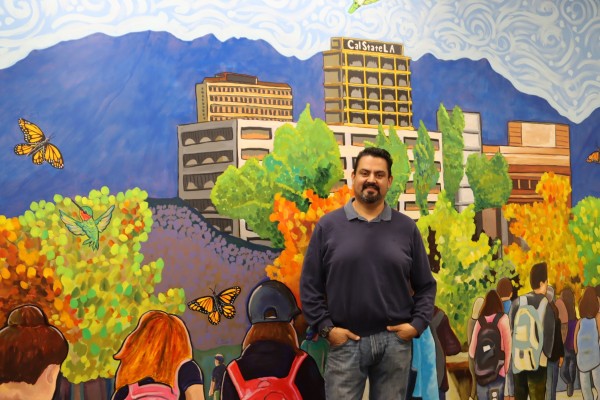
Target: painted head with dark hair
(588, 304)
(31, 353)
(491, 304)
(538, 275)
(504, 288)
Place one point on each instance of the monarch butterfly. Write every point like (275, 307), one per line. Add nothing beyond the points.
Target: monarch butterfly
(38, 146)
(217, 304)
(594, 157)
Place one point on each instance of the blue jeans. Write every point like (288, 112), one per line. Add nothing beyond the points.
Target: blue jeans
(551, 380)
(586, 383)
(383, 358)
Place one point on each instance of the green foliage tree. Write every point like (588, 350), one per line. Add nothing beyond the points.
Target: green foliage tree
(584, 227)
(468, 268)
(109, 288)
(400, 164)
(304, 157)
(453, 144)
(426, 174)
(489, 180)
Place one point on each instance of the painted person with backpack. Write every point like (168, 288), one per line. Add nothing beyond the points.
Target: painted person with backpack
(532, 337)
(587, 343)
(423, 368)
(558, 349)
(271, 363)
(446, 344)
(568, 369)
(505, 290)
(475, 313)
(156, 361)
(490, 348)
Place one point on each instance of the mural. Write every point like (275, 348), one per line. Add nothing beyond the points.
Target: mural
(181, 154)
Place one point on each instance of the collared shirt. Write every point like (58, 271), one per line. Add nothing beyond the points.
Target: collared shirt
(385, 215)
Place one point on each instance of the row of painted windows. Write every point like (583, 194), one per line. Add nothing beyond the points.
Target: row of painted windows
(252, 100)
(229, 109)
(250, 89)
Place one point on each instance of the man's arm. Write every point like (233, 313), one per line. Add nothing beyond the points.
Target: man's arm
(423, 284)
(312, 284)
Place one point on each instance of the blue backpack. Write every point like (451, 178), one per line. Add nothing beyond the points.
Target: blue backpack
(588, 347)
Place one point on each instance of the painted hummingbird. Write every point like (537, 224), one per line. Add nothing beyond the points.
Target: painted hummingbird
(87, 226)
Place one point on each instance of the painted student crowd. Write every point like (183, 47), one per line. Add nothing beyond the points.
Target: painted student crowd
(518, 347)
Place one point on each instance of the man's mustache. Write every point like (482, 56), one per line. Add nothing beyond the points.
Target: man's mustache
(373, 185)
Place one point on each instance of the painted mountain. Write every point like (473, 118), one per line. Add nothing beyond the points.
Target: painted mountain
(112, 105)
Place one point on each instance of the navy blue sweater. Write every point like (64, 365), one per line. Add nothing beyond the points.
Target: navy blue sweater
(358, 275)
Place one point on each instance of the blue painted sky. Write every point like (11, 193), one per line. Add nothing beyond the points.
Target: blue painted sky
(546, 48)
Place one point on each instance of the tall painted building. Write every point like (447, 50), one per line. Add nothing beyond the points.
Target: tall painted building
(367, 83)
(230, 95)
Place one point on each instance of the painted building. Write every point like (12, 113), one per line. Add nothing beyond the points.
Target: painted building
(206, 149)
(367, 83)
(230, 95)
(533, 149)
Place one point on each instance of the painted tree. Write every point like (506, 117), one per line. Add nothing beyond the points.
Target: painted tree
(426, 174)
(489, 180)
(108, 288)
(27, 277)
(297, 227)
(304, 157)
(400, 164)
(468, 268)
(453, 144)
(584, 227)
(544, 227)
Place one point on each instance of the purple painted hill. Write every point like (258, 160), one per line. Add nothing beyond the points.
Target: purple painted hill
(199, 258)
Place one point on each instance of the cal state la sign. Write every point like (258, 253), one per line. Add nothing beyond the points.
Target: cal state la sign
(373, 46)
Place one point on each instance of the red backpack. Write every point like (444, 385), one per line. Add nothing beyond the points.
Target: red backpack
(265, 387)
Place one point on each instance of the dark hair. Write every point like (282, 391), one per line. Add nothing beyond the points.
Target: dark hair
(375, 152)
(492, 304)
(538, 274)
(588, 304)
(281, 332)
(28, 345)
(568, 298)
(504, 287)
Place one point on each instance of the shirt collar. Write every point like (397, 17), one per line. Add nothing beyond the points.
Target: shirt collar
(386, 214)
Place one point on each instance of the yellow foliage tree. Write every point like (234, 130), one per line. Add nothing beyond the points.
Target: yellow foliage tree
(297, 227)
(544, 227)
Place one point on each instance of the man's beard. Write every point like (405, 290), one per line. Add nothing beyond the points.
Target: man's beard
(370, 198)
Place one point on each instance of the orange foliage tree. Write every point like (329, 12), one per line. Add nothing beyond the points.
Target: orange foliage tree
(297, 227)
(544, 227)
(27, 277)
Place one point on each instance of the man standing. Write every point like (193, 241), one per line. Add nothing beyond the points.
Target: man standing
(217, 377)
(532, 347)
(367, 286)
